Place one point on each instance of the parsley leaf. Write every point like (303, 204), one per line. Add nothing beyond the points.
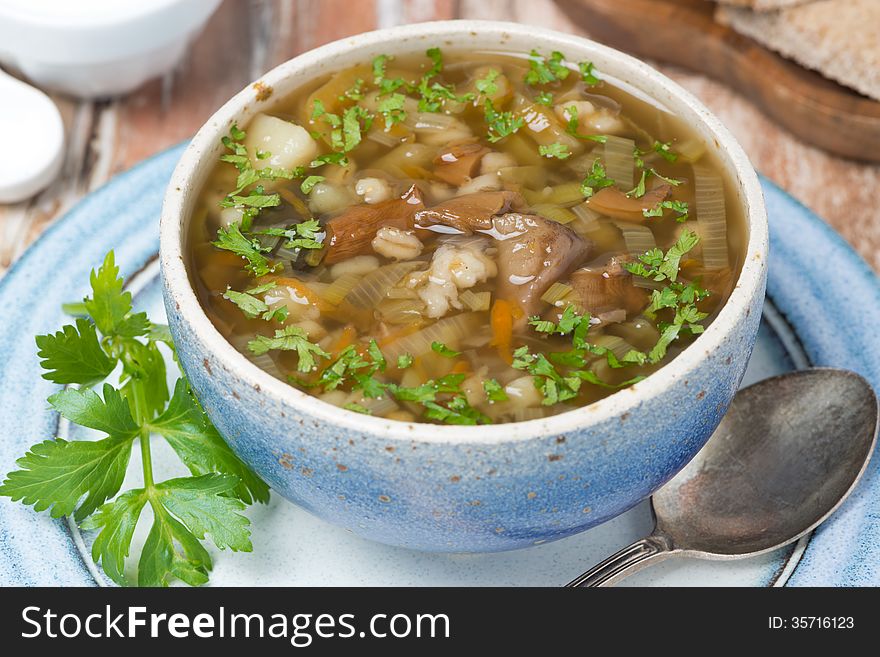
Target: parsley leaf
(404, 361)
(232, 239)
(309, 183)
(186, 428)
(353, 120)
(639, 190)
(443, 350)
(680, 208)
(392, 109)
(572, 126)
(290, 338)
(357, 408)
(110, 306)
(184, 512)
(588, 73)
(544, 98)
(501, 124)
(596, 179)
(544, 71)
(79, 477)
(494, 391)
(557, 150)
(487, 85)
(74, 355)
(686, 241)
(304, 235)
(116, 521)
(55, 474)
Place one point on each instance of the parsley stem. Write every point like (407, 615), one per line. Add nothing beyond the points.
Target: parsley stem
(147, 459)
(140, 411)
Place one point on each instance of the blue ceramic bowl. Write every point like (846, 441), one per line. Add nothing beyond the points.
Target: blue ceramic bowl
(465, 489)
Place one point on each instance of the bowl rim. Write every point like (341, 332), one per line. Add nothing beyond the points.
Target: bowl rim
(177, 283)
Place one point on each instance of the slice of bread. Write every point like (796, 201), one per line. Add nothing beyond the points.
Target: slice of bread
(763, 5)
(838, 38)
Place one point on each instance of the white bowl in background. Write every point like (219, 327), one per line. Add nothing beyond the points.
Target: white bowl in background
(93, 48)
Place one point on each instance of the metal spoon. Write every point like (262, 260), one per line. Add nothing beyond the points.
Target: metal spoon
(786, 455)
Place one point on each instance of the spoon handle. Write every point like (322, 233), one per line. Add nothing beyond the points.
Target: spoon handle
(625, 562)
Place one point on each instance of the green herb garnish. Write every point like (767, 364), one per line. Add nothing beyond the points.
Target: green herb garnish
(544, 71)
(494, 391)
(572, 126)
(588, 73)
(557, 150)
(309, 183)
(77, 478)
(680, 208)
(443, 350)
(232, 239)
(501, 124)
(596, 179)
(392, 109)
(289, 338)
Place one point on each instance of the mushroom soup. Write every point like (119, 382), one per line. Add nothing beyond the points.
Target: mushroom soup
(464, 238)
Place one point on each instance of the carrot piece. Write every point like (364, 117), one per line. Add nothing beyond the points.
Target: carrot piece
(501, 321)
(349, 333)
(461, 367)
(394, 336)
(304, 291)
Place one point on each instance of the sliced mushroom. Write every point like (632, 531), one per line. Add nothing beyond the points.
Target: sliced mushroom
(533, 253)
(352, 232)
(469, 212)
(612, 202)
(459, 162)
(608, 288)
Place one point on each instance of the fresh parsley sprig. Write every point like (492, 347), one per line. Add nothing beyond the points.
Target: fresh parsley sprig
(83, 478)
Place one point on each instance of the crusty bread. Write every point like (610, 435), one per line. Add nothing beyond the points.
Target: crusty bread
(764, 5)
(838, 38)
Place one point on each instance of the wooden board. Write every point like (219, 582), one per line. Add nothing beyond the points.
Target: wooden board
(682, 32)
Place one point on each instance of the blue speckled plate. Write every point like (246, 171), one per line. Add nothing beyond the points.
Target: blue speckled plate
(823, 309)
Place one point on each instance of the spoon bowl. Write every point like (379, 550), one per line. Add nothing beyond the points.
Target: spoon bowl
(785, 457)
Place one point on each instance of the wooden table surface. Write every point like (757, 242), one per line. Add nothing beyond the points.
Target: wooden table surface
(248, 37)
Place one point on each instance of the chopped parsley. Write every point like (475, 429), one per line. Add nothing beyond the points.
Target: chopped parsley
(677, 296)
(596, 179)
(443, 350)
(487, 85)
(253, 307)
(639, 190)
(588, 73)
(357, 408)
(304, 235)
(501, 124)
(544, 98)
(231, 239)
(355, 92)
(572, 126)
(557, 150)
(544, 71)
(309, 183)
(680, 208)
(494, 391)
(404, 361)
(392, 109)
(289, 338)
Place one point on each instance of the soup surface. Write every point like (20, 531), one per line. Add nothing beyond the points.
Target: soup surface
(464, 238)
